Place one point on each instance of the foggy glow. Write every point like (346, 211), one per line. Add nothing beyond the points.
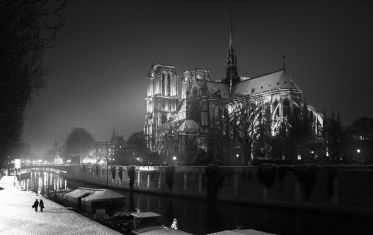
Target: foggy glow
(17, 163)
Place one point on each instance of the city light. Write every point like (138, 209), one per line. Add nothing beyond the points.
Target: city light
(17, 163)
(358, 151)
(237, 155)
(174, 158)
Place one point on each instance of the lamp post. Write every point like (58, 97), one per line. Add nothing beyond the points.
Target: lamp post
(174, 158)
(107, 166)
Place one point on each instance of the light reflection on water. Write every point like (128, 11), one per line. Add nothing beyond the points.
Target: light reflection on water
(199, 217)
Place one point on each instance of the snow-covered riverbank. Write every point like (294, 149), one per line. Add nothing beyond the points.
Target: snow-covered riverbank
(17, 216)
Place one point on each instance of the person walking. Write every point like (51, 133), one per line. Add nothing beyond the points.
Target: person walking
(36, 204)
(41, 204)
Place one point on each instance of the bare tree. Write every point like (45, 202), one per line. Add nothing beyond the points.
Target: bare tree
(27, 29)
(78, 141)
(245, 114)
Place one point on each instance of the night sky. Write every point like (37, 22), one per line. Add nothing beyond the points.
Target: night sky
(96, 71)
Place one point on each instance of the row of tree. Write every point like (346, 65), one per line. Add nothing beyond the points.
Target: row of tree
(245, 131)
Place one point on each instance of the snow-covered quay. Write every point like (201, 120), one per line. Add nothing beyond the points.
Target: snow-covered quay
(18, 217)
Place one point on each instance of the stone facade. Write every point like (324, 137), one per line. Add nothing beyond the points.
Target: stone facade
(183, 110)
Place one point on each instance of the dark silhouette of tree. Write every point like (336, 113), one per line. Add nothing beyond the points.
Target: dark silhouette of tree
(294, 135)
(359, 135)
(223, 140)
(245, 116)
(53, 152)
(334, 137)
(137, 141)
(27, 29)
(361, 129)
(78, 142)
(131, 172)
(262, 146)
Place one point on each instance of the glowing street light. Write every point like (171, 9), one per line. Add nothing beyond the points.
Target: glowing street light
(237, 155)
(174, 158)
(358, 151)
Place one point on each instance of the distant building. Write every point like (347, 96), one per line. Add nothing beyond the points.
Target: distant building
(183, 110)
(116, 144)
(109, 148)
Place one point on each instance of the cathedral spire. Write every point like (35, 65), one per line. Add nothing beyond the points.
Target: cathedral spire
(231, 69)
(231, 49)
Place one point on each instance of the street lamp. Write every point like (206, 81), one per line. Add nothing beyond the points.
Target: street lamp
(174, 158)
(237, 155)
(358, 151)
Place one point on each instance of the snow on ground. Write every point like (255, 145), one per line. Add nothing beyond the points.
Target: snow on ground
(18, 217)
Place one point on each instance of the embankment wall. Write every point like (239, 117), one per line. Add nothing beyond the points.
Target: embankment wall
(339, 188)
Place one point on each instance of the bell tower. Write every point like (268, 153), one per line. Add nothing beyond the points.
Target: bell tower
(162, 97)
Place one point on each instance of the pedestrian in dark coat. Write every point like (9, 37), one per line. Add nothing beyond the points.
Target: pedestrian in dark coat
(36, 204)
(41, 204)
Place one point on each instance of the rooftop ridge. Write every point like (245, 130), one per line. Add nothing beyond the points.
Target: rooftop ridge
(165, 66)
(265, 74)
(220, 82)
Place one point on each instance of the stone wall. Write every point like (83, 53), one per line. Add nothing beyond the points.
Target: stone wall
(351, 190)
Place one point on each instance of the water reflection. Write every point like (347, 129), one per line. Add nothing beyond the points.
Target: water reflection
(198, 217)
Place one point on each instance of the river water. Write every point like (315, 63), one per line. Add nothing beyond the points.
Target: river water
(198, 217)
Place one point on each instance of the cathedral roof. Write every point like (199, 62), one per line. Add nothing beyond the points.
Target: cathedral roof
(272, 81)
(188, 126)
(218, 88)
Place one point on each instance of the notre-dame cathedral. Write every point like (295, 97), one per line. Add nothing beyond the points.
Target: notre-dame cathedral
(185, 107)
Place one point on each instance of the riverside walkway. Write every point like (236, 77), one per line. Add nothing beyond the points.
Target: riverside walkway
(17, 216)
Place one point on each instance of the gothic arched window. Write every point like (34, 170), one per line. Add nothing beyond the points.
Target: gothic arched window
(194, 92)
(163, 81)
(168, 84)
(286, 108)
(275, 109)
(164, 118)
